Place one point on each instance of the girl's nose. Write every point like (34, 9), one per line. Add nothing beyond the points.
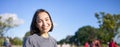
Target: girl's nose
(45, 23)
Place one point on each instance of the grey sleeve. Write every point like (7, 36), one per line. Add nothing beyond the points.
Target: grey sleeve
(55, 45)
(27, 43)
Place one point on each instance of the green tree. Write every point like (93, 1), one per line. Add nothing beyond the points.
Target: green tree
(72, 40)
(86, 33)
(108, 21)
(16, 41)
(61, 42)
(8, 21)
(27, 34)
(109, 24)
(5, 25)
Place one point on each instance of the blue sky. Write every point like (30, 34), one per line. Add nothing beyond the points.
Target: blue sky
(67, 16)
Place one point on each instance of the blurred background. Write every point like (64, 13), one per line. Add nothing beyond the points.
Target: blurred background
(75, 22)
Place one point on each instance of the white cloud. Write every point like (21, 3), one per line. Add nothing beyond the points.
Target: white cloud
(14, 22)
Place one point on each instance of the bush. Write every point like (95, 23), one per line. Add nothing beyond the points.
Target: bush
(16, 41)
(1, 41)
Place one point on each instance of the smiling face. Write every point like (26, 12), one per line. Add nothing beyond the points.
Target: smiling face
(43, 22)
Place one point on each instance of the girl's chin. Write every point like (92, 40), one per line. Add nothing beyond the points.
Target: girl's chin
(45, 31)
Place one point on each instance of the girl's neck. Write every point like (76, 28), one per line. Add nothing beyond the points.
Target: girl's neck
(45, 35)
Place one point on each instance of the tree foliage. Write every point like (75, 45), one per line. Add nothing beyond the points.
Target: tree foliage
(86, 33)
(108, 21)
(83, 34)
(108, 27)
(16, 41)
(5, 25)
(27, 34)
(109, 24)
(8, 21)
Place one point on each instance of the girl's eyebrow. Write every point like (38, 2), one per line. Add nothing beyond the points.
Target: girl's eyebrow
(47, 17)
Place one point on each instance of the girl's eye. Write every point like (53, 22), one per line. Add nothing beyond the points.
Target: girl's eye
(46, 20)
(39, 21)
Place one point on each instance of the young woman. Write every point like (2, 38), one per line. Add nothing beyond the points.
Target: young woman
(40, 26)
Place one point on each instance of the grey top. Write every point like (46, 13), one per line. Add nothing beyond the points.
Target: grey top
(38, 41)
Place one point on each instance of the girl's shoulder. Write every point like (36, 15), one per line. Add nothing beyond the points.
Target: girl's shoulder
(53, 39)
(32, 37)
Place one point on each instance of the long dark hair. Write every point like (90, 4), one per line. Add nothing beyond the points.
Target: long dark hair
(33, 28)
